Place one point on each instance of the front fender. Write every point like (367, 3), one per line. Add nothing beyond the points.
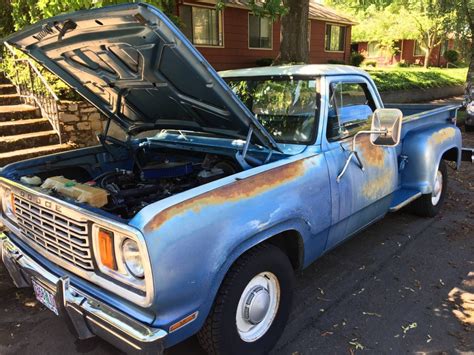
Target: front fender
(193, 241)
(424, 149)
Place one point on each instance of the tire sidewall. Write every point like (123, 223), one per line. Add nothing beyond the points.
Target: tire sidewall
(272, 261)
(444, 172)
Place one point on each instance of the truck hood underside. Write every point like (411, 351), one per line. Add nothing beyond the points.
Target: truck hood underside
(132, 63)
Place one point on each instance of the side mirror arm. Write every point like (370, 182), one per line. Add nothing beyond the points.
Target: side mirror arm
(354, 153)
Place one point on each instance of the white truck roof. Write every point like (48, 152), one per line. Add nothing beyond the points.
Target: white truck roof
(306, 69)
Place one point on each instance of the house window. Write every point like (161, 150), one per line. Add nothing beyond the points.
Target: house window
(335, 36)
(202, 25)
(373, 49)
(417, 51)
(260, 32)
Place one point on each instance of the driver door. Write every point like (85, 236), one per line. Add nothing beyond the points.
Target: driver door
(360, 196)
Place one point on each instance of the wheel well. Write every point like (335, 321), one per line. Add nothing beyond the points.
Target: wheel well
(451, 155)
(291, 243)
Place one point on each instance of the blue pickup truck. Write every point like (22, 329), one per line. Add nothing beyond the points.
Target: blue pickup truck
(207, 191)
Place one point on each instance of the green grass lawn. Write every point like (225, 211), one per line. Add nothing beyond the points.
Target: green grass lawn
(388, 79)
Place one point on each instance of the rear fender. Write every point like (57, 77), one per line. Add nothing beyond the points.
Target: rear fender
(425, 149)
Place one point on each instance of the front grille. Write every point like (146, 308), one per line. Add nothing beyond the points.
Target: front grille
(57, 234)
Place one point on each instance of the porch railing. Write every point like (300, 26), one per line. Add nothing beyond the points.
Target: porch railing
(32, 86)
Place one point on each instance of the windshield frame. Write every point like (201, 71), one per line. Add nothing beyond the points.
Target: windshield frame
(282, 77)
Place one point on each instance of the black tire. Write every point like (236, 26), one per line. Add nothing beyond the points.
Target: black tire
(219, 334)
(424, 206)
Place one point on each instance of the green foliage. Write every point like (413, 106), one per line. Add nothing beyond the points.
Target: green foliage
(370, 63)
(336, 61)
(402, 64)
(264, 62)
(451, 56)
(414, 78)
(357, 59)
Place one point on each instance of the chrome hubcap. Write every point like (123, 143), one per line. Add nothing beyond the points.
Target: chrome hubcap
(437, 188)
(258, 306)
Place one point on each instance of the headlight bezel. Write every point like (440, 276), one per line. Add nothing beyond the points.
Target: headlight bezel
(122, 274)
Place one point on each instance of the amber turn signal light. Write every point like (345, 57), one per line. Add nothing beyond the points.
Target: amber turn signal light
(106, 249)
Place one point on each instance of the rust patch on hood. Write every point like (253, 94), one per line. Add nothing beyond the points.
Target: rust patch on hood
(371, 155)
(235, 191)
(442, 135)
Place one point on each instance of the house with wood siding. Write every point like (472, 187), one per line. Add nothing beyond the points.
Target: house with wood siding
(408, 51)
(235, 38)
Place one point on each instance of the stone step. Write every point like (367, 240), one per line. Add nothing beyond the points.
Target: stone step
(18, 155)
(10, 99)
(28, 140)
(18, 112)
(7, 89)
(10, 128)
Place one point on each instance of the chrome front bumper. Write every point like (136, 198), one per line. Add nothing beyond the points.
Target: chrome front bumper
(86, 317)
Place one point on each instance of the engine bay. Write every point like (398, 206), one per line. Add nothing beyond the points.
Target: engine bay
(124, 188)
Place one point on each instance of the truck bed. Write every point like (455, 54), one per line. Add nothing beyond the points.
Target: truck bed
(419, 116)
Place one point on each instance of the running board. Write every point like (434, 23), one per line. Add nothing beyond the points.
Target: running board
(402, 198)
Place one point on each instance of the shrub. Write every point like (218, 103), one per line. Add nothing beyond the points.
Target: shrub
(336, 61)
(451, 55)
(402, 64)
(264, 62)
(357, 59)
(370, 63)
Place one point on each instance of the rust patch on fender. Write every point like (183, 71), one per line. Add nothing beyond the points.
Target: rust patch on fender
(442, 135)
(235, 191)
(377, 187)
(372, 155)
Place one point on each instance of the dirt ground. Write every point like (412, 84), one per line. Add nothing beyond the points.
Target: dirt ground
(406, 284)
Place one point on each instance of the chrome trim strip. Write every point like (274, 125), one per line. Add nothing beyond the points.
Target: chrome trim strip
(81, 214)
(80, 308)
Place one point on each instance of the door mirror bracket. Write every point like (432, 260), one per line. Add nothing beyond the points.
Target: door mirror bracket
(385, 131)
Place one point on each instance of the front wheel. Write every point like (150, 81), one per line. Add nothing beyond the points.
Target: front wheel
(428, 205)
(252, 306)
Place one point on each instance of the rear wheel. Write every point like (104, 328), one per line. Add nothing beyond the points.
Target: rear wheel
(428, 205)
(252, 305)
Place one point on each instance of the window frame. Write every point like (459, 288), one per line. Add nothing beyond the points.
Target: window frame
(248, 34)
(414, 49)
(220, 15)
(326, 37)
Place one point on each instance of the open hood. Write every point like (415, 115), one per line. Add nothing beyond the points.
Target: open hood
(135, 66)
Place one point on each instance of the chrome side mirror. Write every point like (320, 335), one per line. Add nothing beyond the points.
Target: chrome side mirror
(386, 127)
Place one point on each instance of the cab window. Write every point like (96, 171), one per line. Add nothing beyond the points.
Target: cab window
(350, 110)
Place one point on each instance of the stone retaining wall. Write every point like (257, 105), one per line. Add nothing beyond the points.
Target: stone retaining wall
(80, 121)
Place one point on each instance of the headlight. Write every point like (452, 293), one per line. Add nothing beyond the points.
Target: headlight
(132, 258)
(470, 108)
(8, 204)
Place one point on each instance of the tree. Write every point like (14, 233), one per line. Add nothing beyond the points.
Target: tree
(465, 11)
(294, 14)
(294, 46)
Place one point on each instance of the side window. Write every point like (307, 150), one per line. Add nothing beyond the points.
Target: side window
(350, 109)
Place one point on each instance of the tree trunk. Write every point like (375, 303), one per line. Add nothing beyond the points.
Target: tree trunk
(294, 47)
(426, 63)
(468, 94)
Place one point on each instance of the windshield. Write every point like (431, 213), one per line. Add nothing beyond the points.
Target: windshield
(285, 106)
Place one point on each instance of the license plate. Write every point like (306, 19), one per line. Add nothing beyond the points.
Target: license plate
(45, 297)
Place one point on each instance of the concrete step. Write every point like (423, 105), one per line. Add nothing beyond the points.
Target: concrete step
(18, 112)
(7, 89)
(10, 99)
(28, 140)
(11, 128)
(18, 155)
